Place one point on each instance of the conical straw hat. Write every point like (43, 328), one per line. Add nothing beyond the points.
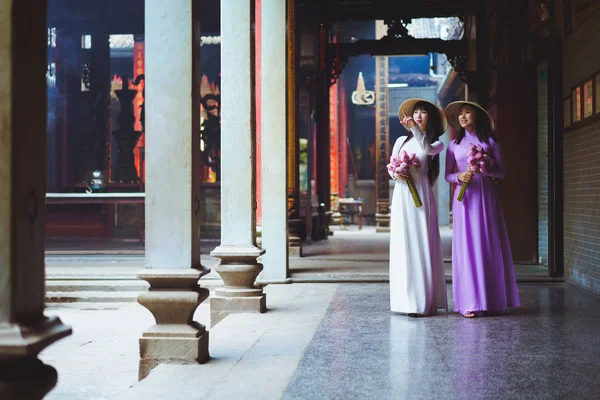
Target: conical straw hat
(453, 109)
(409, 105)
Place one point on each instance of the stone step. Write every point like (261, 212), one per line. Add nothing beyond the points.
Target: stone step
(109, 291)
(91, 297)
(130, 285)
(332, 277)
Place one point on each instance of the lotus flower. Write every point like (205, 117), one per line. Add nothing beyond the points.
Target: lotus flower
(394, 163)
(401, 165)
(479, 161)
(403, 156)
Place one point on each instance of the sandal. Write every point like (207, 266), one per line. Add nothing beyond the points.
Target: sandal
(473, 314)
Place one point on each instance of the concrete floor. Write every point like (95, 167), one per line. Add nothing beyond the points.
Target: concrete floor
(327, 339)
(339, 341)
(547, 349)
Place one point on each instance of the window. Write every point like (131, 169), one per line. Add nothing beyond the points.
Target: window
(51, 74)
(52, 37)
(588, 101)
(583, 104)
(86, 41)
(576, 104)
(597, 80)
(567, 112)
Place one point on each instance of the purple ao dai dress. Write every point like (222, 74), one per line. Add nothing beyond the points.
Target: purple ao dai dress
(483, 276)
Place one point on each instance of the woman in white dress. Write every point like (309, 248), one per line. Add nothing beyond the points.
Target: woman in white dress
(417, 277)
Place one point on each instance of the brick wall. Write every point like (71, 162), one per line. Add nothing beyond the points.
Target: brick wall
(581, 55)
(542, 123)
(582, 166)
(582, 206)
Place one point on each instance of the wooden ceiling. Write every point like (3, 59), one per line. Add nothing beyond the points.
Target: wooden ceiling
(341, 10)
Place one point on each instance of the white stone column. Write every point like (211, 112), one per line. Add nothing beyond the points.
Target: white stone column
(24, 330)
(274, 143)
(382, 214)
(173, 268)
(442, 188)
(238, 251)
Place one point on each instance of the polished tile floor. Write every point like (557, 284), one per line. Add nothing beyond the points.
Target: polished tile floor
(547, 349)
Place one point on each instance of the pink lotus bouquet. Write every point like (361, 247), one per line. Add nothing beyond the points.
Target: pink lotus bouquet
(402, 164)
(479, 161)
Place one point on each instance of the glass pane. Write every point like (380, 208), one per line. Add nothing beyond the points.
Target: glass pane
(577, 105)
(304, 129)
(567, 112)
(597, 93)
(95, 158)
(86, 41)
(588, 100)
(52, 37)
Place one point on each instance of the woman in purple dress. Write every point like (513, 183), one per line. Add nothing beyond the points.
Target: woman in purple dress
(483, 276)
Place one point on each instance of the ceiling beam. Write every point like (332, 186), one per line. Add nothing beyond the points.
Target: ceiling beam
(380, 10)
(396, 47)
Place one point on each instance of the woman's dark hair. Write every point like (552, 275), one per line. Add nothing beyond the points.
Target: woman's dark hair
(482, 126)
(433, 132)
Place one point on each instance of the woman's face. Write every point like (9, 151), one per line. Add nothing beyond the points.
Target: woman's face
(421, 117)
(467, 118)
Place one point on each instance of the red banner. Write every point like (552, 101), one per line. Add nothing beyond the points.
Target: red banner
(343, 100)
(138, 69)
(334, 137)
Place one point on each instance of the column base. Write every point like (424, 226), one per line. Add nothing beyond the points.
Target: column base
(295, 250)
(176, 338)
(22, 341)
(295, 246)
(27, 378)
(239, 270)
(22, 374)
(296, 231)
(222, 306)
(383, 222)
(175, 344)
